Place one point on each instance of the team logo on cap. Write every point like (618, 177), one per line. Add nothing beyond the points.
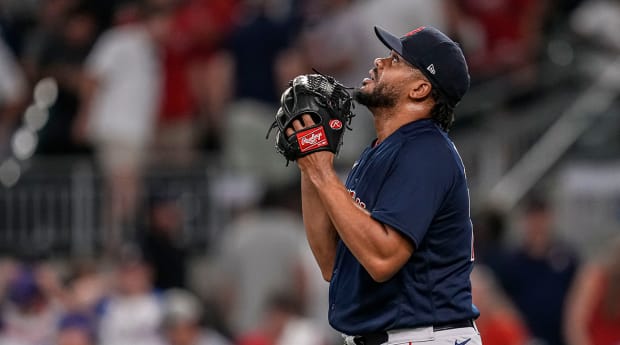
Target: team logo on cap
(415, 31)
(335, 124)
(431, 68)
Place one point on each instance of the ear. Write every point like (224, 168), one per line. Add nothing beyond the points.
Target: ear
(419, 89)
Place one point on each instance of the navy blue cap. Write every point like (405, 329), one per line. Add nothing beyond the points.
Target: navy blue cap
(434, 54)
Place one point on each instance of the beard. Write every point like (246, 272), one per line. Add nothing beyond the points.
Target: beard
(383, 96)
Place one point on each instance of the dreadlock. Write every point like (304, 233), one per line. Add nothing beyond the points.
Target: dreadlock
(442, 112)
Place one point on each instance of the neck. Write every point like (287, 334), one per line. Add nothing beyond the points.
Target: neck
(388, 121)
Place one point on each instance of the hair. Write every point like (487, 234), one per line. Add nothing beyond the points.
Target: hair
(442, 112)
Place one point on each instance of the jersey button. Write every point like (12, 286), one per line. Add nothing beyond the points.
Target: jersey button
(333, 306)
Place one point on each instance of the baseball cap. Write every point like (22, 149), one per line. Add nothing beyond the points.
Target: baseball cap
(434, 54)
(24, 289)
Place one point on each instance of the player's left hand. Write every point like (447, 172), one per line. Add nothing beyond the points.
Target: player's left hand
(315, 96)
(317, 161)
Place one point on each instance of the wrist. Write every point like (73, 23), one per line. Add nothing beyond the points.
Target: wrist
(320, 178)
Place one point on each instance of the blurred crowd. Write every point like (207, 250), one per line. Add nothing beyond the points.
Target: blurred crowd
(151, 84)
(262, 287)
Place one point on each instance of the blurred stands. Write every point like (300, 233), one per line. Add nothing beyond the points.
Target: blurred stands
(191, 176)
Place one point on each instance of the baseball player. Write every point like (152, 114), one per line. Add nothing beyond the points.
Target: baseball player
(395, 242)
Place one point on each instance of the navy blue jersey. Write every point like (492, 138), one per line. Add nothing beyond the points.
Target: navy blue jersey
(414, 181)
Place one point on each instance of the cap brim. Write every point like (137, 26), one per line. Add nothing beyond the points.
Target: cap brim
(389, 40)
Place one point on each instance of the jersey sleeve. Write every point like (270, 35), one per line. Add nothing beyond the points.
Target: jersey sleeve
(415, 188)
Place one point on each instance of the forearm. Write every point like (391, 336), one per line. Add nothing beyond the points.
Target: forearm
(321, 235)
(378, 248)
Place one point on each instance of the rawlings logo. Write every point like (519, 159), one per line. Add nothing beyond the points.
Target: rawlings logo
(311, 139)
(335, 124)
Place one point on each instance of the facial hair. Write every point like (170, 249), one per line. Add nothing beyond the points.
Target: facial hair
(383, 96)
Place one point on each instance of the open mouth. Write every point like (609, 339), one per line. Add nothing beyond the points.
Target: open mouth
(371, 78)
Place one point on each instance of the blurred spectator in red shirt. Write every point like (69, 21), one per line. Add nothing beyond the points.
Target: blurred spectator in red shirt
(499, 35)
(593, 312)
(190, 65)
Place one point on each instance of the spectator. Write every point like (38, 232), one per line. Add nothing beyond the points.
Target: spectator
(162, 243)
(598, 22)
(332, 43)
(282, 324)
(182, 317)
(336, 45)
(76, 329)
(30, 316)
(85, 288)
(12, 95)
(120, 94)
(62, 59)
(190, 63)
(489, 232)
(500, 36)
(259, 257)
(315, 295)
(258, 40)
(538, 274)
(593, 311)
(132, 313)
(49, 20)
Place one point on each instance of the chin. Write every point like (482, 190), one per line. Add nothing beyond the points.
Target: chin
(366, 89)
(359, 92)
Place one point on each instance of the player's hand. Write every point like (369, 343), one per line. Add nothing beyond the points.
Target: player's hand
(298, 125)
(320, 160)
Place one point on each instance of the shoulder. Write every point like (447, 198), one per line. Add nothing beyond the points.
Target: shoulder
(425, 134)
(429, 147)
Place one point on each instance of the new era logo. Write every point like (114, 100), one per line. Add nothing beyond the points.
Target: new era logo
(311, 139)
(431, 68)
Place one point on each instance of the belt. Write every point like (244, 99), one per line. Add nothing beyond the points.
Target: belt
(379, 338)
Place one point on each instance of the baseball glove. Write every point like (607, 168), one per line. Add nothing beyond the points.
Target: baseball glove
(328, 103)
